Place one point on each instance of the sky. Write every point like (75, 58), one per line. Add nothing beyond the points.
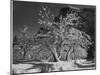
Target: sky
(26, 13)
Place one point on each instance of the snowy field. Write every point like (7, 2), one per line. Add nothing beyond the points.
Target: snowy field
(57, 66)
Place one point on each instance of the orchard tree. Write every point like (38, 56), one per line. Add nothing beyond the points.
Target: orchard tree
(70, 43)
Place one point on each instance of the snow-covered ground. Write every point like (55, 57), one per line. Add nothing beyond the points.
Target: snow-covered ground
(23, 68)
(57, 66)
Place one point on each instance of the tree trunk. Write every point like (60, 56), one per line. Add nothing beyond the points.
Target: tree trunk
(69, 54)
(53, 49)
